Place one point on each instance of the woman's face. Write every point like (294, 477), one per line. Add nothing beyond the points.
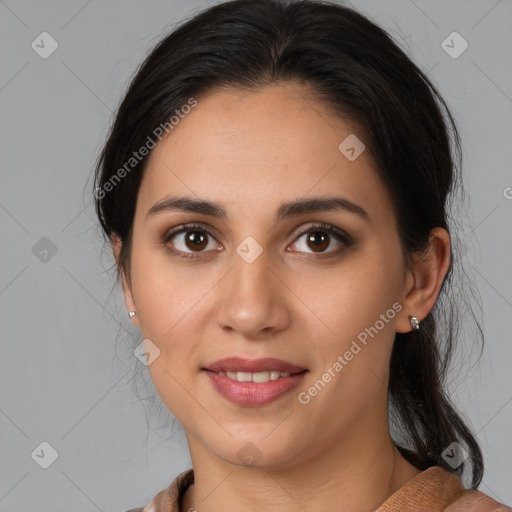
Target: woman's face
(268, 282)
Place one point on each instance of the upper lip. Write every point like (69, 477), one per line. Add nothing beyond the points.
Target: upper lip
(240, 364)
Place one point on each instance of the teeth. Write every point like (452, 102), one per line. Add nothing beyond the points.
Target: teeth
(255, 377)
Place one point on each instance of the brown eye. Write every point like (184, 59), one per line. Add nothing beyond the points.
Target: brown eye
(322, 238)
(190, 239)
(318, 241)
(196, 240)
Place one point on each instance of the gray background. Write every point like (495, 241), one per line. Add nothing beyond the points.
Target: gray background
(61, 379)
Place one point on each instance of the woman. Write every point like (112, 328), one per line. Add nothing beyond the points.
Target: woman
(275, 189)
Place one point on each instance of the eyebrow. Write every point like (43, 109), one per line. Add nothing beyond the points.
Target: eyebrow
(285, 210)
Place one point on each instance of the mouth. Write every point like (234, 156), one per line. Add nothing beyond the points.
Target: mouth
(254, 382)
(232, 365)
(259, 377)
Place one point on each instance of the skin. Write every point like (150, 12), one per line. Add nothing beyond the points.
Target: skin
(250, 151)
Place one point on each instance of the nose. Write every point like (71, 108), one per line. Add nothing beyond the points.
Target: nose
(252, 299)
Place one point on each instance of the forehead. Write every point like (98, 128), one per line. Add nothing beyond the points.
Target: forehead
(257, 147)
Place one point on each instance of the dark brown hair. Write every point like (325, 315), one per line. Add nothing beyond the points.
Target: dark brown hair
(356, 68)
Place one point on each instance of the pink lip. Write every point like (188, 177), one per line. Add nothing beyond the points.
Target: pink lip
(239, 364)
(253, 393)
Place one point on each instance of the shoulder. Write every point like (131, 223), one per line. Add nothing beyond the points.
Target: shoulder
(168, 500)
(476, 501)
(436, 489)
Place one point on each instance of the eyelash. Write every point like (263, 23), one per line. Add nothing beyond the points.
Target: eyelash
(337, 233)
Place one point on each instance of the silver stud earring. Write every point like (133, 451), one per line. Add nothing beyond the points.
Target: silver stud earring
(415, 323)
(131, 314)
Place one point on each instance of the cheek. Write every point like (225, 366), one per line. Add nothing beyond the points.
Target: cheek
(352, 353)
(165, 294)
(168, 302)
(350, 298)
(357, 305)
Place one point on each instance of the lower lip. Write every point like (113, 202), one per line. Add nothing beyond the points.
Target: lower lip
(253, 393)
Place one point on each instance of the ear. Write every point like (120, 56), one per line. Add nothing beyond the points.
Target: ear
(127, 291)
(424, 279)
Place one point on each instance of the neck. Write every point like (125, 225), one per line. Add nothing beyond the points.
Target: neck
(338, 477)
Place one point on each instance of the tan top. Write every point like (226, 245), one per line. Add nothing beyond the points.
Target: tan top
(433, 490)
